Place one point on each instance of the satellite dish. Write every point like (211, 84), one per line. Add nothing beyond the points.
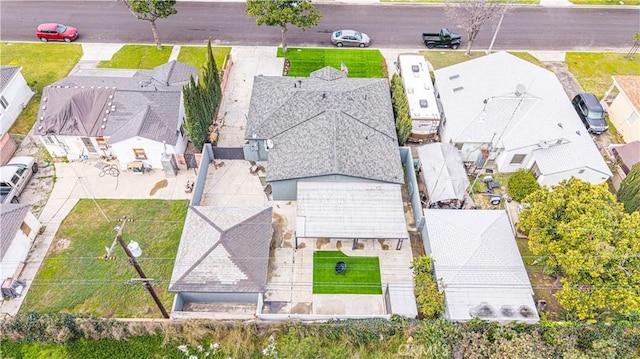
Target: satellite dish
(134, 248)
(520, 90)
(543, 144)
(269, 144)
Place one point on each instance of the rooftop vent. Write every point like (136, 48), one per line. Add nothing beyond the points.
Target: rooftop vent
(44, 99)
(415, 68)
(424, 103)
(453, 77)
(526, 311)
(40, 128)
(103, 126)
(560, 124)
(44, 107)
(457, 89)
(104, 119)
(520, 90)
(507, 312)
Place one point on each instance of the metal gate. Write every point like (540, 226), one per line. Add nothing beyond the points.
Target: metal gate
(228, 153)
(190, 159)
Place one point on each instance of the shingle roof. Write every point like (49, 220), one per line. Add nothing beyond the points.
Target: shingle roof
(145, 105)
(6, 74)
(223, 250)
(326, 124)
(540, 113)
(11, 218)
(476, 257)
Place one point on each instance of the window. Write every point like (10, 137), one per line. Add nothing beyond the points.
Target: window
(49, 140)
(633, 118)
(182, 132)
(139, 153)
(102, 143)
(4, 102)
(517, 159)
(25, 229)
(581, 171)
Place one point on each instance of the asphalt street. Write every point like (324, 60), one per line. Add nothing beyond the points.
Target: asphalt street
(390, 26)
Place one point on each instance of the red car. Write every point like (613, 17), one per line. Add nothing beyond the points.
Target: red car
(46, 32)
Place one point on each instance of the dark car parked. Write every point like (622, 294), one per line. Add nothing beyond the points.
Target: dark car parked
(59, 32)
(591, 112)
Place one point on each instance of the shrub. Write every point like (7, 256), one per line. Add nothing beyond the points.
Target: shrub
(429, 298)
(400, 109)
(629, 193)
(521, 184)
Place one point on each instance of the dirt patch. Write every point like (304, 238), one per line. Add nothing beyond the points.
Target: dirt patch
(60, 245)
(302, 308)
(279, 224)
(161, 184)
(321, 242)
(544, 288)
(385, 247)
(417, 245)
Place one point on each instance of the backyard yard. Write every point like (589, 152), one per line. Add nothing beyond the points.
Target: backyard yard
(75, 278)
(362, 274)
(360, 63)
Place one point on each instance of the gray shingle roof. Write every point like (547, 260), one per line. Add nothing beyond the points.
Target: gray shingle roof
(144, 104)
(11, 218)
(223, 250)
(6, 74)
(326, 124)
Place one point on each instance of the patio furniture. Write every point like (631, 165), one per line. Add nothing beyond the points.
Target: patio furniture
(341, 267)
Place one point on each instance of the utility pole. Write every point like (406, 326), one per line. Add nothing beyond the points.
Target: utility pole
(134, 263)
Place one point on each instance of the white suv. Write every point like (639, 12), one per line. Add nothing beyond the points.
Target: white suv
(15, 176)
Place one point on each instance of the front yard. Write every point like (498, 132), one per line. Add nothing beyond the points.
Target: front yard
(74, 277)
(137, 57)
(362, 275)
(360, 63)
(61, 58)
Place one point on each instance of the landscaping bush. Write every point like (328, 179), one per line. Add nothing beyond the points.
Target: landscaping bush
(400, 109)
(429, 298)
(521, 184)
(629, 193)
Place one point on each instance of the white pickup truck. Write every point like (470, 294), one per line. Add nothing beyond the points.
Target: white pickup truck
(15, 176)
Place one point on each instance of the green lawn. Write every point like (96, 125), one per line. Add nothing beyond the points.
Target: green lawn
(61, 58)
(197, 56)
(138, 57)
(362, 275)
(360, 63)
(440, 59)
(594, 70)
(72, 278)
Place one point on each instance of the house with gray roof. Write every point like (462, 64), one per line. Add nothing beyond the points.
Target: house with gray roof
(135, 115)
(325, 127)
(505, 112)
(478, 266)
(222, 261)
(19, 229)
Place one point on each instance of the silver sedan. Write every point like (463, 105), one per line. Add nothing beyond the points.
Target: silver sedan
(350, 38)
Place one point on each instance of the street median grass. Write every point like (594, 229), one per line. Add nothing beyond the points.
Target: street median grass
(138, 57)
(359, 62)
(361, 277)
(74, 278)
(60, 60)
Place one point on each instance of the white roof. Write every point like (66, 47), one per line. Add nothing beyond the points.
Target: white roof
(541, 113)
(443, 171)
(418, 86)
(350, 210)
(476, 257)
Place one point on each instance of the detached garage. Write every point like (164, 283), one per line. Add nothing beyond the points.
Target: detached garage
(350, 210)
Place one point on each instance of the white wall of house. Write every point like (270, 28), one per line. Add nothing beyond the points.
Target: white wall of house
(585, 174)
(13, 100)
(20, 246)
(153, 150)
(625, 118)
(71, 147)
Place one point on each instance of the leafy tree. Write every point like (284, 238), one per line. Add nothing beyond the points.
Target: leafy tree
(152, 10)
(429, 298)
(581, 232)
(472, 15)
(521, 184)
(629, 193)
(299, 13)
(400, 109)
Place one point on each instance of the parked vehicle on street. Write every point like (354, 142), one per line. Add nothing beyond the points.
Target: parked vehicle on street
(350, 38)
(56, 32)
(15, 176)
(591, 112)
(444, 38)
